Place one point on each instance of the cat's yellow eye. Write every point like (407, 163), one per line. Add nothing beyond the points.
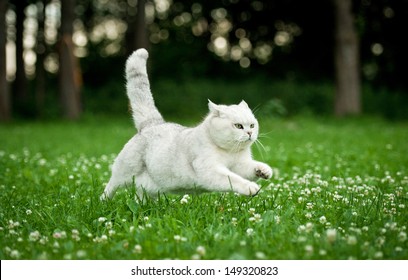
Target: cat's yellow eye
(239, 126)
(252, 125)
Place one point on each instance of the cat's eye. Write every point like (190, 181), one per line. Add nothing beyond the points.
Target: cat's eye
(239, 126)
(252, 125)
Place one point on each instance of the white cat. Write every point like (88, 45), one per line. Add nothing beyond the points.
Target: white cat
(165, 157)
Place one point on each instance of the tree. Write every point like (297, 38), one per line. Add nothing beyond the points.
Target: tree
(20, 94)
(70, 73)
(41, 54)
(5, 111)
(347, 96)
(136, 36)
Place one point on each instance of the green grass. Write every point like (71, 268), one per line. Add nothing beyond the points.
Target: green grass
(339, 191)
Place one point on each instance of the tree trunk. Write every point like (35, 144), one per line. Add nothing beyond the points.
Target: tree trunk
(20, 93)
(136, 36)
(5, 106)
(70, 74)
(39, 69)
(141, 29)
(348, 95)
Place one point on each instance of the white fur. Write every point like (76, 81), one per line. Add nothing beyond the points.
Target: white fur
(169, 158)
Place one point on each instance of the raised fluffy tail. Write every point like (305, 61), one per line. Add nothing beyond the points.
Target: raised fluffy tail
(144, 111)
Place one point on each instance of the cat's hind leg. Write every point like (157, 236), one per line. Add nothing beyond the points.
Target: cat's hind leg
(128, 165)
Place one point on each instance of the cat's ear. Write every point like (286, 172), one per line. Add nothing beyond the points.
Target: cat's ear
(243, 104)
(214, 108)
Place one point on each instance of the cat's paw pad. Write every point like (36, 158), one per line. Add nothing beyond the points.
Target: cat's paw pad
(263, 171)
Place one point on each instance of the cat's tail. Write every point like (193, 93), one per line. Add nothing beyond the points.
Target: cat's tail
(144, 111)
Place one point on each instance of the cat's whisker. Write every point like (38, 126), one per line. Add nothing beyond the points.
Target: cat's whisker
(265, 135)
(261, 148)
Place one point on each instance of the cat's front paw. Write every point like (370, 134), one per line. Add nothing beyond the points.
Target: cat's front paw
(263, 171)
(250, 189)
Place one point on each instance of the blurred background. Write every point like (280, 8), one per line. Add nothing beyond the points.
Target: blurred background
(65, 58)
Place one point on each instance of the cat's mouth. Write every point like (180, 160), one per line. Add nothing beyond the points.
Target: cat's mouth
(247, 139)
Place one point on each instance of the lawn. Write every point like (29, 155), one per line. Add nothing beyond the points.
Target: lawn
(339, 191)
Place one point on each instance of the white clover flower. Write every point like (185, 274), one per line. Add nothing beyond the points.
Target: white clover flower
(309, 227)
(101, 219)
(29, 212)
(137, 249)
(177, 238)
(250, 231)
(15, 254)
(378, 255)
(331, 235)
(352, 240)
(309, 205)
(43, 240)
(301, 228)
(258, 218)
(308, 215)
(322, 220)
(34, 236)
(322, 252)
(81, 254)
(185, 199)
(234, 221)
(101, 239)
(402, 236)
(260, 255)
(309, 249)
(201, 250)
(196, 257)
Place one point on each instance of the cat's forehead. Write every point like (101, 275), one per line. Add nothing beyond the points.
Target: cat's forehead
(239, 114)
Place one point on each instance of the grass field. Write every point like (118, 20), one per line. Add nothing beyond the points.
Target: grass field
(340, 191)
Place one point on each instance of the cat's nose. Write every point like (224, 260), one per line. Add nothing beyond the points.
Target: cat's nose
(249, 133)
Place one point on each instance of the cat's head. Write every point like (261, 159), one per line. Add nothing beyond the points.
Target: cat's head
(232, 127)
